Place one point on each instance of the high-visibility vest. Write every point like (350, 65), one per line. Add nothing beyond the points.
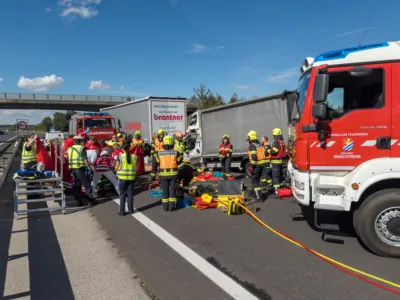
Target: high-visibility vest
(127, 171)
(156, 146)
(28, 156)
(168, 162)
(75, 158)
(179, 146)
(278, 146)
(103, 164)
(260, 152)
(137, 142)
(266, 144)
(225, 150)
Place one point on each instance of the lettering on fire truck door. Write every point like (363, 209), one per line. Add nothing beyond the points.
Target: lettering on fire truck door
(359, 119)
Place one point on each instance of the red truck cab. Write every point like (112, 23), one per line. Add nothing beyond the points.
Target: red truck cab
(346, 143)
(101, 125)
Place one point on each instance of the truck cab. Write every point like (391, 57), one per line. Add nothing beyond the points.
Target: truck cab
(346, 143)
(101, 125)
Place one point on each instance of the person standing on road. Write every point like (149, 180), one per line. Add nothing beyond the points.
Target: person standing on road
(29, 152)
(78, 164)
(278, 153)
(168, 158)
(126, 173)
(179, 146)
(225, 156)
(265, 176)
(156, 146)
(258, 162)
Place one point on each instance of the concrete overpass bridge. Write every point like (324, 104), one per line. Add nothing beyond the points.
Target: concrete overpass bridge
(59, 102)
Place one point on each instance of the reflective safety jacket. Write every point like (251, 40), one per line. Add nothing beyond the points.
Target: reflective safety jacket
(137, 142)
(277, 151)
(267, 146)
(225, 151)
(168, 162)
(75, 158)
(156, 146)
(256, 153)
(127, 171)
(28, 156)
(180, 147)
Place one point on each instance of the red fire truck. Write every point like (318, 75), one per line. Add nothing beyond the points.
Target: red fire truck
(101, 124)
(347, 141)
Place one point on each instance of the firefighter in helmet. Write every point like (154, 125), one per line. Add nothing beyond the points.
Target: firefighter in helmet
(156, 145)
(186, 173)
(265, 177)
(278, 153)
(258, 162)
(225, 156)
(168, 160)
(137, 140)
(179, 146)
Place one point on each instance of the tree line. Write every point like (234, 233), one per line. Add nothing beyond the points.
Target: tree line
(59, 120)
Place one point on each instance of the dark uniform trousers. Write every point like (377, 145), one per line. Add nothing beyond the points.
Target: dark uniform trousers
(80, 179)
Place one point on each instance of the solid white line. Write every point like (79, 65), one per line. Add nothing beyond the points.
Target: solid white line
(14, 137)
(232, 288)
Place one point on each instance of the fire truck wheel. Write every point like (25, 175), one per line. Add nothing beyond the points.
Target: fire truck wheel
(377, 222)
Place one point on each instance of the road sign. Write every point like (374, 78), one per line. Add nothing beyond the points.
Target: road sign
(22, 126)
(52, 129)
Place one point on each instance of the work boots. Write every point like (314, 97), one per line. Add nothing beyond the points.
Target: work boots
(172, 206)
(165, 206)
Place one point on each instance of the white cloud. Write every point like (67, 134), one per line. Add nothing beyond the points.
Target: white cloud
(241, 87)
(79, 8)
(122, 88)
(198, 48)
(99, 85)
(1, 79)
(35, 116)
(220, 47)
(48, 9)
(40, 84)
(354, 31)
(284, 75)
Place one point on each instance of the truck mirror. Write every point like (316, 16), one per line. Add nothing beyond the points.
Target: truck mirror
(321, 86)
(360, 71)
(319, 111)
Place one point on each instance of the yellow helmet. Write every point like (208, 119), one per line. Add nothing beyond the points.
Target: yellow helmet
(168, 140)
(160, 132)
(119, 135)
(252, 135)
(276, 131)
(226, 136)
(137, 133)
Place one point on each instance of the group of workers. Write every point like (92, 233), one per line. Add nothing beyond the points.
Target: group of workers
(265, 160)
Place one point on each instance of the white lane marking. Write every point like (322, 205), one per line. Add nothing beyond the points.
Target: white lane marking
(232, 288)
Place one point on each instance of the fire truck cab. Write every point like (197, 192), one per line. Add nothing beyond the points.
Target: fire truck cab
(100, 124)
(346, 154)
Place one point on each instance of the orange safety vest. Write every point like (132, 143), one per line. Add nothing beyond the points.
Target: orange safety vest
(137, 142)
(268, 156)
(261, 157)
(158, 146)
(168, 162)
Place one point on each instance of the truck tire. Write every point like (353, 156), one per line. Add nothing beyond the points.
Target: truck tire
(377, 223)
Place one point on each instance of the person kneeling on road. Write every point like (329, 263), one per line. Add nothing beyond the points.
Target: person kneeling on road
(78, 164)
(258, 162)
(126, 173)
(186, 172)
(103, 167)
(168, 158)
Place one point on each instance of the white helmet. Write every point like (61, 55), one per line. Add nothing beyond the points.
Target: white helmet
(104, 152)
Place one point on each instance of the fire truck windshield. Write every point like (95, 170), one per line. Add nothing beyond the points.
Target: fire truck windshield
(302, 89)
(99, 123)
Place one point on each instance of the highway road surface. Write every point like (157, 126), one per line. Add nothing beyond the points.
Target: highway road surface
(4, 138)
(191, 254)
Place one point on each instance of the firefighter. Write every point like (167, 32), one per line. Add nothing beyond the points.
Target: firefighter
(179, 146)
(168, 159)
(225, 156)
(29, 152)
(126, 173)
(186, 172)
(258, 162)
(78, 164)
(265, 177)
(137, 140)
(121, 138)
(278, 153)
(156, 146)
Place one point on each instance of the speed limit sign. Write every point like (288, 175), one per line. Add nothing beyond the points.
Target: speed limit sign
(22, 125)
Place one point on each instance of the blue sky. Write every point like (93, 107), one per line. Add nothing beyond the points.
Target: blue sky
(169, 47)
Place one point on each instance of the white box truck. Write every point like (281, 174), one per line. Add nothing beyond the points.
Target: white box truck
(206, 128)
(151, 114)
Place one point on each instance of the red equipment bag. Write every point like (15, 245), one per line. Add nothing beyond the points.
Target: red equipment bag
(284, 192)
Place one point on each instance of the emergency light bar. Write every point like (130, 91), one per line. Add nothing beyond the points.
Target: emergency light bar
(96, 114)
(306, 64)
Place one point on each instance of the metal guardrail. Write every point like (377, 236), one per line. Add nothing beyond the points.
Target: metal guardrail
(7, 154)
(60, 97)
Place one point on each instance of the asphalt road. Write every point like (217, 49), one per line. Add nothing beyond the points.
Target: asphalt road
(266, 265)
(4, 138)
